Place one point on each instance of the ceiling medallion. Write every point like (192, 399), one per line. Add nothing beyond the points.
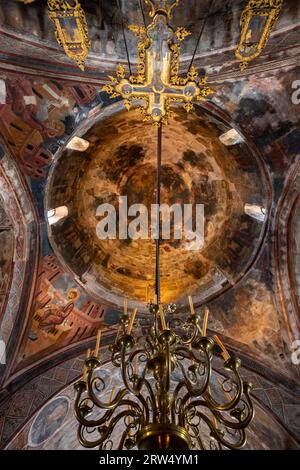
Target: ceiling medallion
(70, 29)
(157, 82)
(263, 15)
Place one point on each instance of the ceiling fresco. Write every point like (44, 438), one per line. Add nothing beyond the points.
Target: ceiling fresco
(59, 283)
(197, 169)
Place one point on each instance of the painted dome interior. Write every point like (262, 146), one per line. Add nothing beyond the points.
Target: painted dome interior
(197, 168)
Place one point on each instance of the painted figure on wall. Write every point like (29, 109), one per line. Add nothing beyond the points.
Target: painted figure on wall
(6, 253)
(48, 421)
(23, 102)
(51, 315)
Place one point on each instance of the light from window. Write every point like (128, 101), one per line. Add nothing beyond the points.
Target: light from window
(79, 144)
(55, 215)
(255, 211)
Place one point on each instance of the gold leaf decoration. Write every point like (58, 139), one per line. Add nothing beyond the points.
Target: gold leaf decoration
(158, 88)
(70, 29)
(265, 12)
(182, 33)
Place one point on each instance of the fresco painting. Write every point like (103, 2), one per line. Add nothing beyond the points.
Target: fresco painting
(62, 311)
(6, 253)
(48, 421)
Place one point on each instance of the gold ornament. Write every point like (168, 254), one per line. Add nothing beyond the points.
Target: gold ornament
(268, 11)
(157, 82)
(71, 29)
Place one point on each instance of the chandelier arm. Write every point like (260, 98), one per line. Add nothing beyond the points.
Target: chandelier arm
(229, 424)
(185, 383)
(152, 399)
(116, 362)
(217, 434)
(107, 430)
(89, 444)
(150, 344)
(175, 399)
(122, 440)
(81, 409)
(125, 435)
(193, 335)
(143, 381)
(124, 366)
(129, 387)
(94, 423)
(190, 353)
(168, 360)
(136, 352)
(99, 403)
(197, 437)
(189, 385)
(230, 404)
(244, 417)
(107, 416)
(186, 378)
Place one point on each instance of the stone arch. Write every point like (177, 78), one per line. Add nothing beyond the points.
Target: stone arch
(286, 255)
(6, 254)
(18, 225)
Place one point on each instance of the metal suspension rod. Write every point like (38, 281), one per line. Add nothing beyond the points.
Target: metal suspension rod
(200, 34)
(143, 13)
(157, 240)
(124, 37)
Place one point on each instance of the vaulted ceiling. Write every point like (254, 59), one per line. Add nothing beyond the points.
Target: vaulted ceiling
(248, 272)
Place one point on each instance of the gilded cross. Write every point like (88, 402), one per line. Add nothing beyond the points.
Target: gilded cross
(157, 82)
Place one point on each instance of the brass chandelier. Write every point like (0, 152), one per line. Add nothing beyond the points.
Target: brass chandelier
(151, 410)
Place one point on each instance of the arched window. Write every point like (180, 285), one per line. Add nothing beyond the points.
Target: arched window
(79, 144)
(55, 215)
(255, 211)
(231, 137)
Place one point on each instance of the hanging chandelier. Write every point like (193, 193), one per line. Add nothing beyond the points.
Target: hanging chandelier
(152, 410)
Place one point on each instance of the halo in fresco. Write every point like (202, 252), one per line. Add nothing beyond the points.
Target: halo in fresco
(48, 421)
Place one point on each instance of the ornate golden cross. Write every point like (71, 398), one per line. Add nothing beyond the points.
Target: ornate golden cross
(158, 83)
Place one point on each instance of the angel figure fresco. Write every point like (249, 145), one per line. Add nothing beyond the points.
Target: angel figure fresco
(51, 315)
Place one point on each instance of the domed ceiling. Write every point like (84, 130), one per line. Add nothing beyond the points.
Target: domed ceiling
(197, 168)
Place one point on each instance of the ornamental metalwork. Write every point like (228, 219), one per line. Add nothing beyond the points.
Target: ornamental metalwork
(157, 82)
(170, 398)
(70, 29)
(259, 17)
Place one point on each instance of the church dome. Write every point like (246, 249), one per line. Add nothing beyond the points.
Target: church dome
(204, 162)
